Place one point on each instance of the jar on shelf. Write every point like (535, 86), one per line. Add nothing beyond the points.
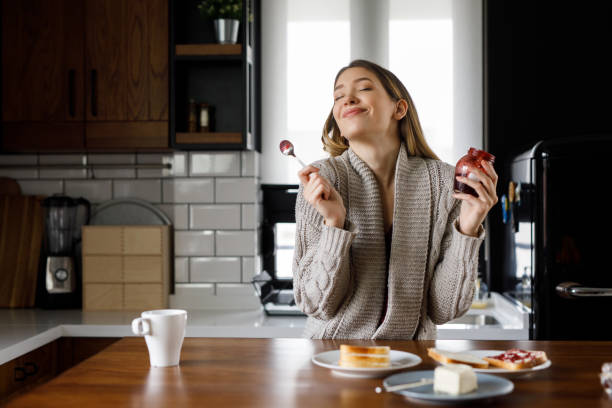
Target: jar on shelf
(463, 168)
(205, 117)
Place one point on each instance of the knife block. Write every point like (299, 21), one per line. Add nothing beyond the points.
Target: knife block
(126, 267)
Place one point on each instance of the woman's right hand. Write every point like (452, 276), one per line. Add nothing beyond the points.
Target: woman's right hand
(322, 196)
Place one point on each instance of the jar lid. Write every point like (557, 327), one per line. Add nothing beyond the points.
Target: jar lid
(482, 154)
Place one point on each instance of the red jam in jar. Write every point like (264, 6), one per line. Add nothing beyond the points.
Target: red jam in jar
(472, 159)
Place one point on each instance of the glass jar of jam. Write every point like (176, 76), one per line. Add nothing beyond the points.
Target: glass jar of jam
(472, 159)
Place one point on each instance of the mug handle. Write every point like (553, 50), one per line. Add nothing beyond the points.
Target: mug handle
(141, 327)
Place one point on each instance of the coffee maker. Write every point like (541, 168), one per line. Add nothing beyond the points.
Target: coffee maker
(59, 280)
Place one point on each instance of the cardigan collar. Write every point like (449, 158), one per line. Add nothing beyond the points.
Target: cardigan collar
(410, 242)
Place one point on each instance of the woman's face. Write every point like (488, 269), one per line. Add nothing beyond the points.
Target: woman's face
(362, 108)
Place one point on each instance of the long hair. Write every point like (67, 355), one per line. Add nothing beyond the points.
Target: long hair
(410, 131)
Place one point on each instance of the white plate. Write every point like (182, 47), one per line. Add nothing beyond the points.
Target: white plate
(400, 360)
(489, 386)
(502, 371)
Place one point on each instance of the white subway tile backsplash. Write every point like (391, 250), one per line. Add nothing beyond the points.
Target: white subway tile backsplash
(181, 270)
(192, 296)
(236, 190)
(250, 219)
(18, 174)
(148, 190)
(214, 164)
(62, 159)
(215, 216)
(213, 204)
(251, 266)
(96, 191)
(235, 289)
(197, 296)
(97, 173)
(178, 161)
(194, 243)
(250, 164)
(186, 190)
(111, 158)
(236, 243)
(41, 187)
(18, 159)
(215, 269)
(179, 214)
(63, 173)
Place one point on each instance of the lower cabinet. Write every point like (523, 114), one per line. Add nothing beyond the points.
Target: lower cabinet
(38, 366)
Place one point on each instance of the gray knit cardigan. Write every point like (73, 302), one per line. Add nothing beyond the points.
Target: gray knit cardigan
(339, 274)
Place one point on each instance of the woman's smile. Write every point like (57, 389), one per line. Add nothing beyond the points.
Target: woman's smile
(352, 112)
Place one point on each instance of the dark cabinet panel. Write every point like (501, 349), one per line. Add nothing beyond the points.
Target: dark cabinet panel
(42, 74)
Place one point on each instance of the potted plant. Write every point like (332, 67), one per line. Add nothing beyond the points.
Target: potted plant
(226, 15)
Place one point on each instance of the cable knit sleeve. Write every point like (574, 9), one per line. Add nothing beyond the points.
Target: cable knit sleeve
(321, 266)
(452, 286)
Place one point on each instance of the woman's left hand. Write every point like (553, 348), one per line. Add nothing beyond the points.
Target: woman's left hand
(475, 209)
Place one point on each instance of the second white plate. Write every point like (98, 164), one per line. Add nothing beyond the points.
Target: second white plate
(400, 360)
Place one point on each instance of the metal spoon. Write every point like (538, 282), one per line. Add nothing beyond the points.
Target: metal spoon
(286, 148)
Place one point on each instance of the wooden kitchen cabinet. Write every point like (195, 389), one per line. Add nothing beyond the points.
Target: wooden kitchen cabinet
(46, 362)
(84, 75)
(126, 59)
(42, 75)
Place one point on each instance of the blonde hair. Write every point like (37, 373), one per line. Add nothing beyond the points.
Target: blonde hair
(410, 130)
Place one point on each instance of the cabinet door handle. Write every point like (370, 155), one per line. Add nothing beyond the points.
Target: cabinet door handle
(33, 369)
(572, 290)
(94, 88)
(71, 90)
(20, 374)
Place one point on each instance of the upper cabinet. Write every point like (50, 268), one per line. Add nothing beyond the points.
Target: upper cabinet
(42, 74)
(215, 87)
(85, 75)
(126, 65)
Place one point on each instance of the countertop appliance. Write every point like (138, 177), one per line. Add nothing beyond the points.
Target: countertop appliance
(59, 283)
(558, 256)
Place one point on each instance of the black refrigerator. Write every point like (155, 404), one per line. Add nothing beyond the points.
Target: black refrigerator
(558, 226)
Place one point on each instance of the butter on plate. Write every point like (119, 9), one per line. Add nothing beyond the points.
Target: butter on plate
(454, 379)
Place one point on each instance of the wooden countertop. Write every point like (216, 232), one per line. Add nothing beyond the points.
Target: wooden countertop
(219, 372)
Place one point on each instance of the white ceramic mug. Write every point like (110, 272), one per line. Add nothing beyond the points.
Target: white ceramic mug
(164, 331)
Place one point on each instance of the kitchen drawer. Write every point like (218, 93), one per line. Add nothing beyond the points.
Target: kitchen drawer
(144, 296)
(103, 296)
(102, 240)
(142, 269)
(24, 372)
(102, 269)
(142, 240)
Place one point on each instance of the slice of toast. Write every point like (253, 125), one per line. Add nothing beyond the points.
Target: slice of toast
(364, 356)
(514, 359)
(346, 348)
(451, 357)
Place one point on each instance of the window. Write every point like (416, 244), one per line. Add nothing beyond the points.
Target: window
(435, 48)
(284, 244)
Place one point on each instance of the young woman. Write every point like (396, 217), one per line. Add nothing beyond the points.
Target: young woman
(384, 248)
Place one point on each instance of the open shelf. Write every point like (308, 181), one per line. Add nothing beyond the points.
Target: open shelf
(188, 50)
(208, 138)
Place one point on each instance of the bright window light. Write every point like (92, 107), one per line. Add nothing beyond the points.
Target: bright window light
(421, 55)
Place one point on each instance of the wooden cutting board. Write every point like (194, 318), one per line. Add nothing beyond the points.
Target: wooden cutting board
(21, 231)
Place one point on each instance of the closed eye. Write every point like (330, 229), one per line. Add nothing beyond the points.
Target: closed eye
(363, 89)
